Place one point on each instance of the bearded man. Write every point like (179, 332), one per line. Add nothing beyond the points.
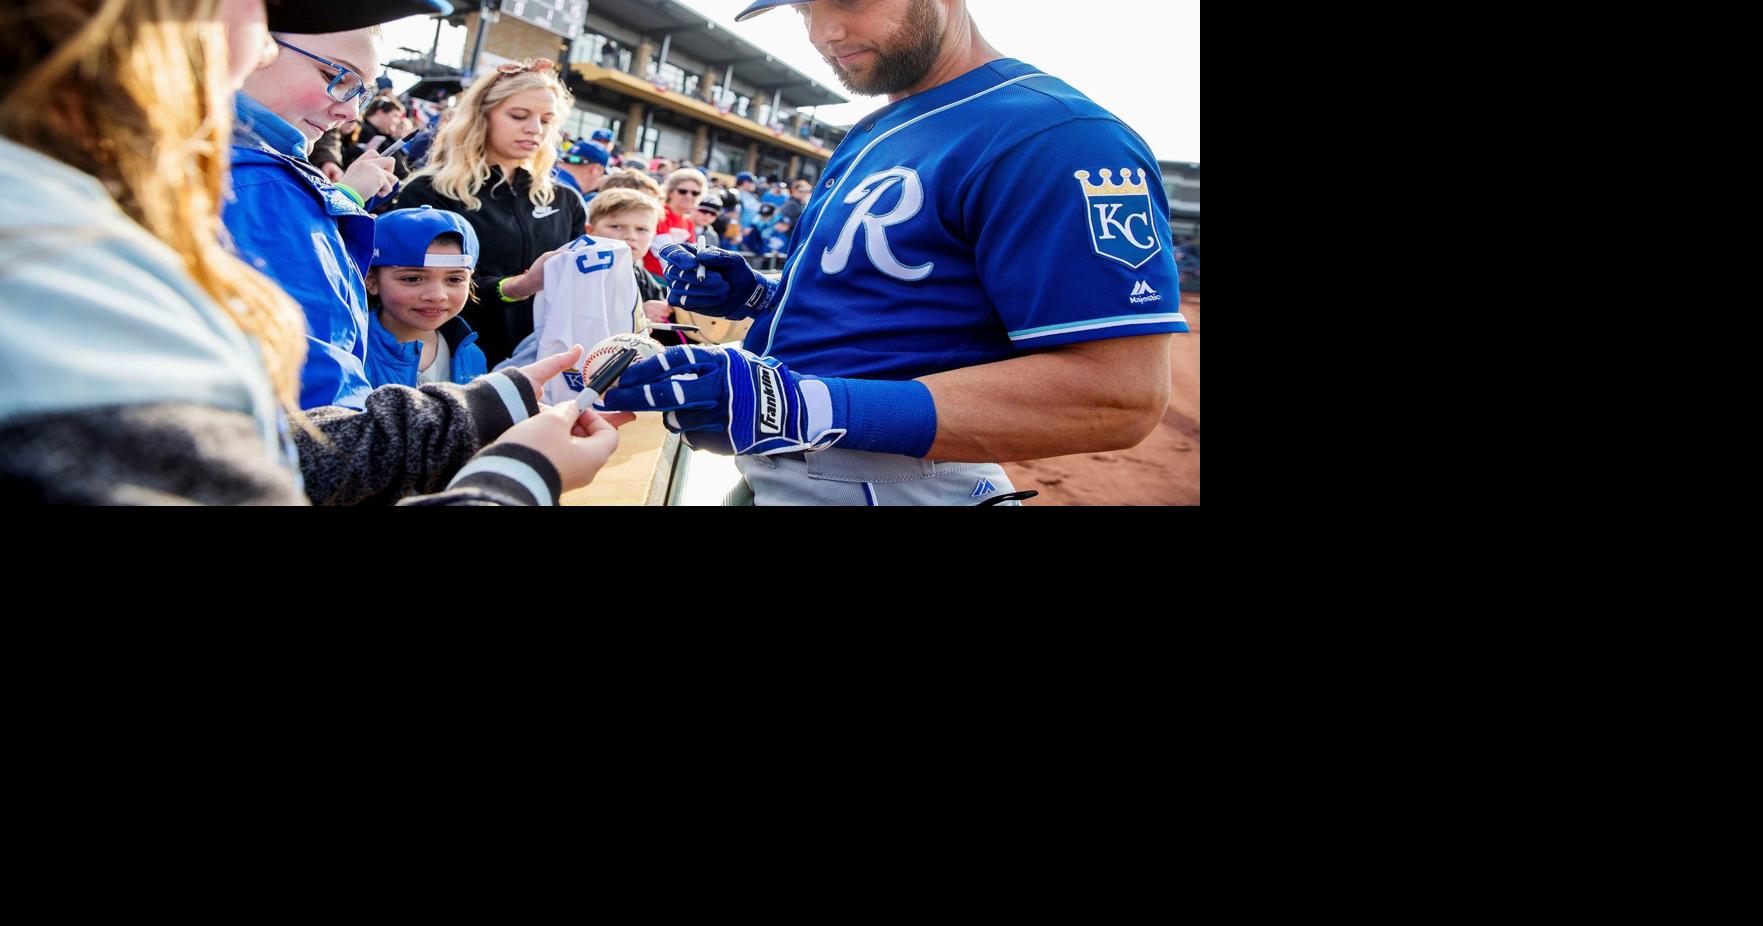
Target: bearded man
(971, 284)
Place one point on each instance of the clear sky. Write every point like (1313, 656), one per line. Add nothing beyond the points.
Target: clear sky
(1140, 59)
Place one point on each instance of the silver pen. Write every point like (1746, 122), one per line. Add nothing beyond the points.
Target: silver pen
(399, 145)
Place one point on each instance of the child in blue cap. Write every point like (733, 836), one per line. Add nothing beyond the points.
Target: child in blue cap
(419, 279)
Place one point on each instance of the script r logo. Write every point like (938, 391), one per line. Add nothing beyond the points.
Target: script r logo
(874, 227)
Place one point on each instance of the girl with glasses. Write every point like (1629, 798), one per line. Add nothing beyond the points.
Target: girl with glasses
(310, 235)
(680, 193)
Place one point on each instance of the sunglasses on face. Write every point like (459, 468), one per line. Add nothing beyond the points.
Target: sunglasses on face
(344, 87)
(688, 192)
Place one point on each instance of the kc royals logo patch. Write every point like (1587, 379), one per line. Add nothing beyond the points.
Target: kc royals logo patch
(1120, 216)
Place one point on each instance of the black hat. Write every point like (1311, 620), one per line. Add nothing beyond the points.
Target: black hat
(313, 17)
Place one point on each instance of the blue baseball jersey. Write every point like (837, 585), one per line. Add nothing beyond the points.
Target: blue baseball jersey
(999, 213)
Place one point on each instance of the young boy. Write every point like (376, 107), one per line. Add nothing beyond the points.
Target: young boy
(704, 217)
(420, 278)
(631, 216)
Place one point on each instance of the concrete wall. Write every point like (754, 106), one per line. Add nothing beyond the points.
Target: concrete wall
(514, 39)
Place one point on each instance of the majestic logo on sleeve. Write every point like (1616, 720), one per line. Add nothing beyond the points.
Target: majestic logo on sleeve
(875, 236)
(1120, 215)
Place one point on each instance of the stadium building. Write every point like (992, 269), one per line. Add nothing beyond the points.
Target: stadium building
(1181, 182)
(665, 79)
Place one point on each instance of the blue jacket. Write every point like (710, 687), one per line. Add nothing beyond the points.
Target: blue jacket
(296, 227)
(392, 363)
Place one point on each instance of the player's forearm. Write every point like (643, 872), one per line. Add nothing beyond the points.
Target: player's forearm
(1103, 395)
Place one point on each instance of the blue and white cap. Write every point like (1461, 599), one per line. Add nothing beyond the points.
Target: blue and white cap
(589, 151)
(754, 9)
(601, 135)
(401, 238)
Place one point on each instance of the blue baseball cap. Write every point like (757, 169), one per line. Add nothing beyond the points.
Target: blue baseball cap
(401, 238)
(744, 176)
(602, 135)
(754, 9)
(594, 153)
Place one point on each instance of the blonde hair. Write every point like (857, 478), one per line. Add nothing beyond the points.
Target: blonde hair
(632, 178)
(137, 94)
(681, 176)
(458, 161)
(611, 202)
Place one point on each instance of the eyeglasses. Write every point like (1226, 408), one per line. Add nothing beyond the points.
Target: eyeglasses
(677, 191)
(346, 86)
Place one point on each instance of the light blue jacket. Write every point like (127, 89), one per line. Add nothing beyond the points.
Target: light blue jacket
(392, 363)
(97, 312)
(299, 229)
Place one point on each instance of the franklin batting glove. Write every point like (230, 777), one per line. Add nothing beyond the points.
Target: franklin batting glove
(715, 282)
(728, 401)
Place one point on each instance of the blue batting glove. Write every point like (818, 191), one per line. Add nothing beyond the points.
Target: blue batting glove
(715, 282)
(728, 401)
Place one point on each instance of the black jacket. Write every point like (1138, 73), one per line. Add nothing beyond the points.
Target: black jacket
(352, 147)
(510, 237)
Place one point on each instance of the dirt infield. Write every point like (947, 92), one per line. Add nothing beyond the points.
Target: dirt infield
(1163, 470)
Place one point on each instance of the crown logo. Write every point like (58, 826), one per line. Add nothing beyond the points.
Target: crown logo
(1126, 186)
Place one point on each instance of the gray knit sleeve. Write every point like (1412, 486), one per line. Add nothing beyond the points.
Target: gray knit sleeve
(407, 441)
(154, 454)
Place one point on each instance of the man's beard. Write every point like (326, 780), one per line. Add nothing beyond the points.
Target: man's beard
(905, 65)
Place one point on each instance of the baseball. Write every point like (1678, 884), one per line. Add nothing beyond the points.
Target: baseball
(607, 351)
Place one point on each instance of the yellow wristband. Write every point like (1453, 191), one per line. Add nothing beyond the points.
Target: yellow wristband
(499, 292)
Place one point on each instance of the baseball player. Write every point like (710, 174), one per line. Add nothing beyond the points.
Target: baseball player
(984, 273)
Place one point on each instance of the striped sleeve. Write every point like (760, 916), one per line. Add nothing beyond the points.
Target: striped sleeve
(513, 474)
(407, 441)
(499, 401)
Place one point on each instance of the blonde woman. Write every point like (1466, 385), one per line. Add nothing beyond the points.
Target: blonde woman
(680, 194)
(492, 164)
(142, 362)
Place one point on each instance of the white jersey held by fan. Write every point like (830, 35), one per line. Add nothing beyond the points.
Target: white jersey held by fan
(590, 294)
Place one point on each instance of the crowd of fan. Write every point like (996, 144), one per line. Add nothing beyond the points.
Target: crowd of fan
(755, 217)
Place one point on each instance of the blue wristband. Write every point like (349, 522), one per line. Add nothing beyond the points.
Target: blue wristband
(884, 417)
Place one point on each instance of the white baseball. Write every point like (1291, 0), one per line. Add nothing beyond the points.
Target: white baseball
(604, 352)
